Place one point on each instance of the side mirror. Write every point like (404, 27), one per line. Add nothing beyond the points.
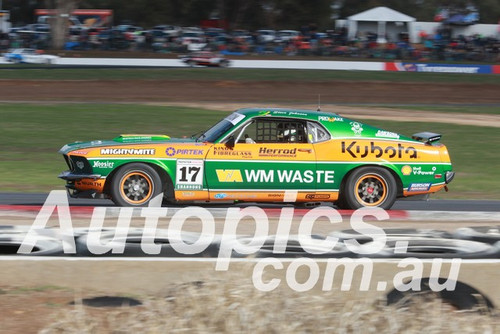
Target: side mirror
(230, 142)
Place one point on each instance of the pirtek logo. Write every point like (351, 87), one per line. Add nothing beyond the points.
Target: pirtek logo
(358, 151)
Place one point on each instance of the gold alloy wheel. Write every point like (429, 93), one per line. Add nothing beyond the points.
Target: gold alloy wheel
(371, 190)
(136, 187)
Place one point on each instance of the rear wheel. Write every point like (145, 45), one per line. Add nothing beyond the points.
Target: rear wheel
(135, 185)
(369, 187)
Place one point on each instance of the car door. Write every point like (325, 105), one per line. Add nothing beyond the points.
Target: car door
(271, 158)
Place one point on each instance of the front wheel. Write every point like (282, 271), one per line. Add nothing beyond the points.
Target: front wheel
(135, 185)
(369, 187)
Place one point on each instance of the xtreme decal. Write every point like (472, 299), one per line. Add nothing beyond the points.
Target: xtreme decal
(103, 164)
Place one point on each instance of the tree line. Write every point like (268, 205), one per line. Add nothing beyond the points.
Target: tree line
(247, 14)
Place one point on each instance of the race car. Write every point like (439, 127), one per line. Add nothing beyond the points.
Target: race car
(31, 56)
(205, 58)
(263, 155)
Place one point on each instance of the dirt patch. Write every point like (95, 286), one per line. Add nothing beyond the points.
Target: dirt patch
(247, 92)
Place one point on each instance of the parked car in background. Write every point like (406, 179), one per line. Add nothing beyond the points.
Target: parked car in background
(205, 58)
(286, 35)
(31, 56)
(266, 35)
(169, 30)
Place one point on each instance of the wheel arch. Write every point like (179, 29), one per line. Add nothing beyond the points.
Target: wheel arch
(390, 168)
(162, 170)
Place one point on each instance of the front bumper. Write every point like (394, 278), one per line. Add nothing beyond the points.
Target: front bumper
(84, 185)
(69, 176)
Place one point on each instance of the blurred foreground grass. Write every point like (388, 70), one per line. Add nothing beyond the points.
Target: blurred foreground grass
(31, 135)
(231, 306)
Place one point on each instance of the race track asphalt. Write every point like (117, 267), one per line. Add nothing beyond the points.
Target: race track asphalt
(429, 205)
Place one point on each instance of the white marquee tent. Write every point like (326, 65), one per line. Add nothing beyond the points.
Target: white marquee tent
(382, 16)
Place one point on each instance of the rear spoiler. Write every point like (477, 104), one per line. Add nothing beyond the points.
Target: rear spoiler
(427, 137)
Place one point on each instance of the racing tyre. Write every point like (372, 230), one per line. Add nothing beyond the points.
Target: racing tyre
(131, 244)
(425, 248)
(486, 234)
(45, 246)
(370, 187)
(135, 185)
(391, 233)
(312, 247)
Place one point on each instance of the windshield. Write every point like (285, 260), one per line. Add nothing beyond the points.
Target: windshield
(212, 134)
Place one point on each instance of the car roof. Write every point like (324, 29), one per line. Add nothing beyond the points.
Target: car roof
(284, 112)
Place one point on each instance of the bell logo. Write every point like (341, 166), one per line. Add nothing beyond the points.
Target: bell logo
(229, 175)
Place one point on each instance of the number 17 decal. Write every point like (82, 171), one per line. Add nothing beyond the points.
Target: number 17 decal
(189, 175)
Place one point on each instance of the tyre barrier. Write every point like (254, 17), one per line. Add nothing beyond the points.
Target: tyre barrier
(391, 233)
(463, 296)
(294, 247)
(44, 246)
(132, 244)
(486, 234)
(428, 248)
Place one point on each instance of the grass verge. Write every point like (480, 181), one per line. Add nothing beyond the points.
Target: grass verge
(31, 135)
(29, 72)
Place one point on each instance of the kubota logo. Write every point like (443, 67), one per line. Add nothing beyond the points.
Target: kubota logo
(362, 151)
(229, 175)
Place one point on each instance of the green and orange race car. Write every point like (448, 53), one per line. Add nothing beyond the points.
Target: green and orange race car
(263, 155)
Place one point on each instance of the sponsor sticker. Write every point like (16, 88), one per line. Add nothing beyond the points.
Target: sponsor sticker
(318, 196)
(80, 152)
(171, 151)
(226, 151)
(189, 175)
(330, 119)
(357, 128)
(419, 186)
(362, 151)
(386, 134)
(128, 151)
(419, 171)
(103, 164)
(277, 152)
(235, 118)
(406, 170)
(220, 196)
(229, 175)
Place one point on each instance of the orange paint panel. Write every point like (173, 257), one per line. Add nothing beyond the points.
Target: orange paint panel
(433, 189)
(90, 184)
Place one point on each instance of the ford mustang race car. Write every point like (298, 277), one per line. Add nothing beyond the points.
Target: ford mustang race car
(263, 155)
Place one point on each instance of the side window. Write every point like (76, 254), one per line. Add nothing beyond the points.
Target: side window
(280, 131)
(316, 133)
(248, 134)
(273, 131)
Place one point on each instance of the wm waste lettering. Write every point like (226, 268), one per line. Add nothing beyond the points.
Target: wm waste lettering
(281, 176)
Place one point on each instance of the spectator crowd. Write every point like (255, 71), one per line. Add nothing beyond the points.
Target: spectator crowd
(306, 42)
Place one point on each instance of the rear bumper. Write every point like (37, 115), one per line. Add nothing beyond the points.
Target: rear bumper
(449, 176)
